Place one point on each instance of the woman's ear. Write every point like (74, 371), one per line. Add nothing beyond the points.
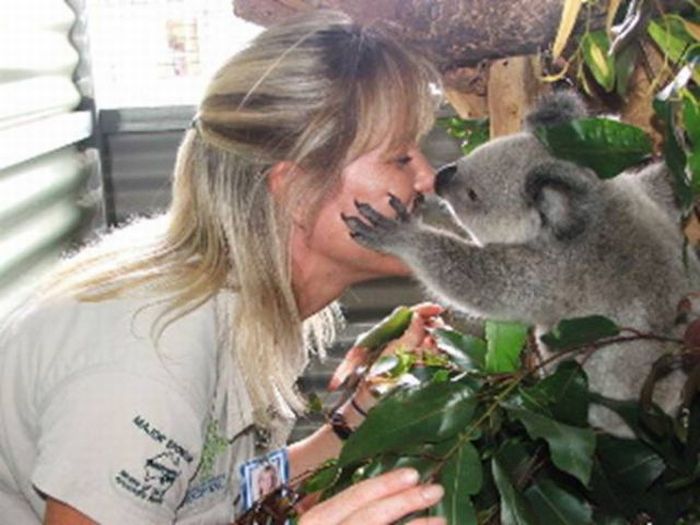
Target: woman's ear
(279, 180)
(279, 176)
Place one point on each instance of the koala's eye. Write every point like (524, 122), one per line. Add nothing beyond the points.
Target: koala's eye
(472, 195)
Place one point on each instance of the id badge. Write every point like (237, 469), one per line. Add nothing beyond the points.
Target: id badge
(262, 475)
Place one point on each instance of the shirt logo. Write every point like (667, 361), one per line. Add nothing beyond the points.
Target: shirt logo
(160, 471)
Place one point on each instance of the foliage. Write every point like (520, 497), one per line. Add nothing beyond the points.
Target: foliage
(606, 146)
(510, 446)
(470, 132)
(603, 62)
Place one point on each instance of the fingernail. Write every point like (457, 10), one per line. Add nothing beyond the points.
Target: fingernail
(410, 476)
(432, 492)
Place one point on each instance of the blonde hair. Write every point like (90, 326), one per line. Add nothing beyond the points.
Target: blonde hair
(317, 92)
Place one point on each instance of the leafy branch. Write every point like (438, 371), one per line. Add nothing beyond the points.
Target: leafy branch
(510, 445)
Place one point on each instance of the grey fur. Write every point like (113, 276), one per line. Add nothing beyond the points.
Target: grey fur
(556, 108)
(543, 239)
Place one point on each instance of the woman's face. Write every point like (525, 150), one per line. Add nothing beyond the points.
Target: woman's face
(370, 178)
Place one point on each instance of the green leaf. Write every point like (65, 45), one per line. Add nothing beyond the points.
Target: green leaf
(425, 374)
(606, 146)
(629, 463)
(386, 330)
(315, 403)
(432, 412)
(604, 495)
(504, 342)
(675, 42)
(424, 457)
(518, 458)
(436, 360)
(674, 155)
(439, 449)
(691, 423)
(564, 393)
(691, 118)
(441, 376)
(462, 471)
(386, 364)
(579, 331)
(457, 123)
(466, 516)
(406, 361)
(344, 480)
(322, 478)
(471, 132)
(422, 463)
(625, 64)
(555, 506)
(571, 448)
(460, 477)
(477, 133)
(691, 123)
(595, 54)
(629, 411)
(515, 509)
(467, 352)
(662, 503)
(694, 166)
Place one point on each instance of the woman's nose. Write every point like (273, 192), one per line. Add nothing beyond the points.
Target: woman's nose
(425, 175)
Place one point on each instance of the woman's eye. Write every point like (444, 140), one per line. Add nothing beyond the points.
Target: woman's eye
(404, 160)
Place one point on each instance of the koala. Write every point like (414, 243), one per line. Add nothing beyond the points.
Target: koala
(537, 239)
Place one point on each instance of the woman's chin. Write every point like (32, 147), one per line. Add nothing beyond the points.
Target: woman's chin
(392, 267)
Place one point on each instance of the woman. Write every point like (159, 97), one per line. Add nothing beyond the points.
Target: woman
(144, 379)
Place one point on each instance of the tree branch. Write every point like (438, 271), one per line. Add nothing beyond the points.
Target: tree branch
(455, 33)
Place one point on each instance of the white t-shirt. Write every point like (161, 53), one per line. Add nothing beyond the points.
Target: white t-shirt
(92, 415)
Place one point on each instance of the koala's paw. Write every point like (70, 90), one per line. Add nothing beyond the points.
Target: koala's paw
(378, 232)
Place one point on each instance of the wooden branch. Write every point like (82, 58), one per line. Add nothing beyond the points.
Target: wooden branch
(454, 33)
(465, 89)
(513, 87)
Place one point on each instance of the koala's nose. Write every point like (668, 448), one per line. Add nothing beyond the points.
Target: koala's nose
(444, 176)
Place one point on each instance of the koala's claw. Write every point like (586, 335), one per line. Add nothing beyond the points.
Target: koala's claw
(399, 208)
(375, 218)
(356, 226)
(376, 231)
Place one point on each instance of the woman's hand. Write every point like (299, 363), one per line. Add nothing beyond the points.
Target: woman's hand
(378, 501)
(415, 338)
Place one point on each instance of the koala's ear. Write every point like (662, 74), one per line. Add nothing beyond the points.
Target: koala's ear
(556, 108)
(563, 194)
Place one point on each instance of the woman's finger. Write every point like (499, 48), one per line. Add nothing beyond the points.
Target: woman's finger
(392, 508)
(427, 309)
(424, 315)
(412, 337)
(354, 498)
(355, 357)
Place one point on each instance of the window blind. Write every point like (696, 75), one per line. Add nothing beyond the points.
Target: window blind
(44, 167)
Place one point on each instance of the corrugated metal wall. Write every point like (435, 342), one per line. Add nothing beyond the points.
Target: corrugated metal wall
(43, 172)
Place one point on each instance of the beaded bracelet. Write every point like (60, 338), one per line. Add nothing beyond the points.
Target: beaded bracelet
(357, 407)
